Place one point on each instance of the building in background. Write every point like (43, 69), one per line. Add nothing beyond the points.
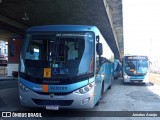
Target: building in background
(3, 57)
(3, 50)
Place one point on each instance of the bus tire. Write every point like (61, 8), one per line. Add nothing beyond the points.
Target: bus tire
(124, 82)
(102, 89)
(97, 103)
(109, 87)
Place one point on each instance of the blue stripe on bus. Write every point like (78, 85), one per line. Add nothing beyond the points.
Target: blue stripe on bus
(55, 88)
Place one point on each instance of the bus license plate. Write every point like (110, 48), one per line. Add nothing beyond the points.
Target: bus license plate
(51, 107)
(136, 81)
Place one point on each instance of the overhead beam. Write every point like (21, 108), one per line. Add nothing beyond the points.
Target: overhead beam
(12, 23)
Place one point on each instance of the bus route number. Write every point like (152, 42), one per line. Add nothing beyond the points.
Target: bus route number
(47, 73)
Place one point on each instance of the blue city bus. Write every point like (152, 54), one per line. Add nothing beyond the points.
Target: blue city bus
(64, 66)
(135, 69)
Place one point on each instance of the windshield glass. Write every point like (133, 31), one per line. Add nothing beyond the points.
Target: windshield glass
(136, 65)
(60, 55)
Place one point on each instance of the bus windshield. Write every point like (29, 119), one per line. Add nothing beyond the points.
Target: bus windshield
(136, 65)
(67, 55)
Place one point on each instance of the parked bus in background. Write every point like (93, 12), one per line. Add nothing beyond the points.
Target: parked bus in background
(117, 69)
(135, 69)
(64, 66)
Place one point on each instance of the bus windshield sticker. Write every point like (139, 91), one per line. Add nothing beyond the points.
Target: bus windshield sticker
(47, 73)
(70, 35)
(56, 71)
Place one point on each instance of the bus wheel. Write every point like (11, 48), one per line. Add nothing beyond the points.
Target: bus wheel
(109, 87)
(97, 103)
(102, 89)
(124, 82)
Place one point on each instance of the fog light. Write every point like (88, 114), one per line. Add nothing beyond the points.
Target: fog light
(85, 101)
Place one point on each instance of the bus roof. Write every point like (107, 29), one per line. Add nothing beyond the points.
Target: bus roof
(48, 28)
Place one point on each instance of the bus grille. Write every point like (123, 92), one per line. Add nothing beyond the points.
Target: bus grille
(53, 102)
(58, 93)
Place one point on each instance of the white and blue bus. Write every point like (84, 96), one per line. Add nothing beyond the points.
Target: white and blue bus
(64, 66)
(135, 69)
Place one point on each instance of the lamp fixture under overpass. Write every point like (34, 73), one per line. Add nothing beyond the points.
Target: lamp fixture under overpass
(25, 18)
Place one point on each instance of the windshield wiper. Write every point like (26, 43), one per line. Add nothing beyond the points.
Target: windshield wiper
(84, 75)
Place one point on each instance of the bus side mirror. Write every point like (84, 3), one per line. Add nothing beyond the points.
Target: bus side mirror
(12, 49)
(99, 48)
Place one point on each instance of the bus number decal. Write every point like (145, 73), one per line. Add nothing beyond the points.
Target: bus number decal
(47, 73)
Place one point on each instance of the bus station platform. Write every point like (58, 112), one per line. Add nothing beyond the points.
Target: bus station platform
(7, 78)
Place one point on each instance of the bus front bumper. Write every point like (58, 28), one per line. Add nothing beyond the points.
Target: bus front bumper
(72, 100)
(130, 79)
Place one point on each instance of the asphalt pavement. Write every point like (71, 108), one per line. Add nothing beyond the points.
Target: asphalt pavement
(121, 97)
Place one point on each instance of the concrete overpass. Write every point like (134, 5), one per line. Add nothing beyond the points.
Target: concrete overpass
(17, 15)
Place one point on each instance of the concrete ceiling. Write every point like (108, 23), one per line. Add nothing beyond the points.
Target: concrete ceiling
(17, 15)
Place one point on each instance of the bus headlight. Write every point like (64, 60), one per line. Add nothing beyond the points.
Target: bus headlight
(125, 75)
(84, 89)
(23, 88)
